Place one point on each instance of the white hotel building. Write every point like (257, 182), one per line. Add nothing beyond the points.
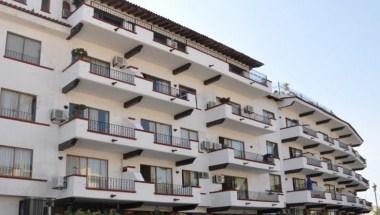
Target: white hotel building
(106, 105)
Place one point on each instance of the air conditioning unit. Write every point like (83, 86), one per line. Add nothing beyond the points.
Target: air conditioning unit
(248, 109)
(218, 179)
(172, 43)
(203, 175)
(58, 116)
(211, 104)
(59, 183)
(119, 62)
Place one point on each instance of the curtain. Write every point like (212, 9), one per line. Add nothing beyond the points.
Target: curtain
(163, 133)
(15, 46)
(23, 163)
(32, 51)
(25, 107)
(6, 160)
(9, 103)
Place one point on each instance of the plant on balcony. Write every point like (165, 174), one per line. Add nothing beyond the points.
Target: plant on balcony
(78, 53)
(77, 3)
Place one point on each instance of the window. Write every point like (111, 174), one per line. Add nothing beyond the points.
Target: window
(77, 165)
(160, 85)
(23, 49)
(163, 132)
(275, 183)
(45, 6)
(330, 188)
(291, 122)
(190, 178)
(160, 38)
(21, 1)
(183, 91)
(236, 183)
(237, 145)
(268, 114)
(17, 105)
(16, 162)
(66, 9)
(295, 153)
(189, 134)
(299, 184)
(98, 120)
(155, 174)
(272, 148)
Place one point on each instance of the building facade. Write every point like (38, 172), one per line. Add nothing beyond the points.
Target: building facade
(106, 105)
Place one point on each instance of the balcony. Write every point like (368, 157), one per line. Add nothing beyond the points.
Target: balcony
(245, 200)
(94, 188)
(236, 159)
(104, 24)
(125, 87)
(91, 133)
(223, 115)
(311, 166)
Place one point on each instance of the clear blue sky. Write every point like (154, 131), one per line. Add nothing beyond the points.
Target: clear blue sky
(330, 50)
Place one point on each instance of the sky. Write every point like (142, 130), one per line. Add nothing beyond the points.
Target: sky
(329, 50)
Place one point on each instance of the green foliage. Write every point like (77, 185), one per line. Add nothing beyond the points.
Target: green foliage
(69, 211)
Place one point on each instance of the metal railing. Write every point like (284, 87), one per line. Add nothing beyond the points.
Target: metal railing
(251, 156)
(333, 167)
(254, 75)
(16, 114)
(22, 172)
(313, 162)
(112, 184)
(172, 140)
(336, 196)
(318, 194)
(257, 196)
(22, 57)
(252, 115)
(107, 72)
(169, 90)
(173, 189)
(106, 15)
(343, 146)
(112, 129)
(328, 138)
(309, 131)
(350, 198)
(347, 171)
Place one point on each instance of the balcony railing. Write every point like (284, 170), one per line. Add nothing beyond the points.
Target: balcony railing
(172, 141)
(257, 196)
(268, 159)
(333, 167)
(309, 131)
(107, 15)
(328, 139)
(112, 129)
(107, 72)
(173, 189)
(336, 196)
(22, 171)
(343, 146)
(313, 162)
(347, 171)
(16, 114)
(318, 194)
(169, 90)
(22, 57)
(111, 184)
(351, 199)
(251, 115)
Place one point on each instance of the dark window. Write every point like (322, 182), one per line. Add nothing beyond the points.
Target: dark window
(163, 132)
(272, 148)
(78, 165)
(295, 153)
(155, 174)
(160, 38)
(330, 188)
(114, 20)
(189, 134)
(23, 49)
(237, 70)
(161, 85)
(275, 183)
(16, 162)
(66, 9)
(45, 6)
(299, 184)
(291, 122)
(237, 145)
(190, 178)
(268, 114)
(21, 1)
(17, 105)
(98, 120)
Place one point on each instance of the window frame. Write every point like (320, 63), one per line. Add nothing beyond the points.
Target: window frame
(269, 114)
(295, 149)
(190, 178)
(87, 158)
(155, 172)
(13, 161)
(274, 185)
(299, 180)
(189, 136)
(34, 104)
(45, 8)
(294, 121)
(277, 155)
(23, 47)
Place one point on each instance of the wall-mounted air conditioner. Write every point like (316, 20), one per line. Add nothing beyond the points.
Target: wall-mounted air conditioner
(119, 62)
(58, 116)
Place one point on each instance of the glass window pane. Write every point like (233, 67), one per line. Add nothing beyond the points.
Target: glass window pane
(9, 103)
(23, 163)
(25, 107)
(72, 165)
(193, 135)
(6, 160)
(32, 51)
(15, 46)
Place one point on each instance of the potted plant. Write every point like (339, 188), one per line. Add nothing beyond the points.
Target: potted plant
(78, 53)
(77, 3)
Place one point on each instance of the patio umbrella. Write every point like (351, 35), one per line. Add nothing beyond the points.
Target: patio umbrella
(309, 184)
